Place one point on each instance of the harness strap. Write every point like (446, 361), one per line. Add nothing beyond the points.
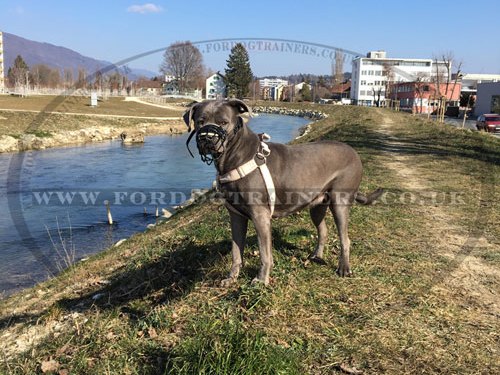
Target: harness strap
(240, 172)
(250, 166)
(268, 180)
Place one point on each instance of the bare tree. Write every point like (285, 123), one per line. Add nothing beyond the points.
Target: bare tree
(68, 77)
(54, 78)
(458, 75)
(82, 78)
(185, 62)
(376, 95)
(114, 82)
(447, 59)
(388, 72)
(44, 76)
(443, 76)
(98, 81)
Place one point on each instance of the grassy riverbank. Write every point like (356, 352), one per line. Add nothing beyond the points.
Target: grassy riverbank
(117, 106)
(19, 115)
(423, 299)
(55, 119)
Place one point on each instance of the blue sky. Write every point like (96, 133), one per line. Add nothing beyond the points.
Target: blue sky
(115, 30)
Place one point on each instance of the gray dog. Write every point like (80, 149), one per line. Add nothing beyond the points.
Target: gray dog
(317, 175)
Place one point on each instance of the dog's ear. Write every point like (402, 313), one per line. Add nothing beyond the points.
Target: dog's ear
(240, 106)
(188, 115)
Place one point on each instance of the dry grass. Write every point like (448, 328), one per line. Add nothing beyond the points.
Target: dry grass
(408, 309)
(81, 105)
(46, 115)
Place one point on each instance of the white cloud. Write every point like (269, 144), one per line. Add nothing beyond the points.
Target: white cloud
(145, 8)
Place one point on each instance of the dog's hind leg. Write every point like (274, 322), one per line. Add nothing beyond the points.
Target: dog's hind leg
(239, 225)
(318, 218)
(340, 212)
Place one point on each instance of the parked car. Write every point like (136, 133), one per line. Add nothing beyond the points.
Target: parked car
(489, 122)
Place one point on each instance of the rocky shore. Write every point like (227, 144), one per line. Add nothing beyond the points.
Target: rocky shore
(307, 113)
(43, 140)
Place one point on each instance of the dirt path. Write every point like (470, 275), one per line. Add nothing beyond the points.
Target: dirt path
(472, 281)
(166, 106)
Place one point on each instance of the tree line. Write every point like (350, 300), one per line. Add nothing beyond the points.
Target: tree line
(44, 76)
(184, 62)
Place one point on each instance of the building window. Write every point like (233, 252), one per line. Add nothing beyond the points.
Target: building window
(363, 82)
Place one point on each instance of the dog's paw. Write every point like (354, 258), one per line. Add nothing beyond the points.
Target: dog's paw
(257, 281)
(226, 283)
(317, 260)
(344, 271)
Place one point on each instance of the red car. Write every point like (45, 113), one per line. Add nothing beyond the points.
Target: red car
(489, 123)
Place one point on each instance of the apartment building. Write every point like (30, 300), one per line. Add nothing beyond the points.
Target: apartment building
(372, 74)
(272, 82)
(215, 87)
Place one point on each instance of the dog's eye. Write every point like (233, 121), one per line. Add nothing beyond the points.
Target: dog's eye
(200, 122)
(223, 123)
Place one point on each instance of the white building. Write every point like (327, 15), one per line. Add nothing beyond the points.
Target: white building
(170, 78)
(272, 88)
(370, 74)
(215, 87)
(488, 98)
(272, 82)
(470, 81)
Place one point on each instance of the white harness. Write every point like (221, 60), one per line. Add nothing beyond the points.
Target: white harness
(250, 166)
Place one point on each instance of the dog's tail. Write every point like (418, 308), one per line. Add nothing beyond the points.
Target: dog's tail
(372, 197)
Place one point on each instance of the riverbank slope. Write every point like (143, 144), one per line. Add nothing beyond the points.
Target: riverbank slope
(39, 122)
(424, 296)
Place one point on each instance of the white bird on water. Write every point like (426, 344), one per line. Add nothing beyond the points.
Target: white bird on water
(108, 209)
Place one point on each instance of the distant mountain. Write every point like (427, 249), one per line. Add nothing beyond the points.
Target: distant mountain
(57, 57)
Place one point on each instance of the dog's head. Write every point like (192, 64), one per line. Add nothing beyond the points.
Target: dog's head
(224, 113)
(215, 122)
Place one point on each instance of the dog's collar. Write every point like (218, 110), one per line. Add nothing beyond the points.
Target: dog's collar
(257, 162)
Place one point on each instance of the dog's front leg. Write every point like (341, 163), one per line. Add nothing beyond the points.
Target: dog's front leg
(262, 225)
(239, 225)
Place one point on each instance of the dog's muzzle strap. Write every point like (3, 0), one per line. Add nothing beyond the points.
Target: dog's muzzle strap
(189, 140)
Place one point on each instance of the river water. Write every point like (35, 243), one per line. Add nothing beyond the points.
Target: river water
(55, 209)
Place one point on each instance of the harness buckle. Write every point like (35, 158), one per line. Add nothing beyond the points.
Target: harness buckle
(260, 158)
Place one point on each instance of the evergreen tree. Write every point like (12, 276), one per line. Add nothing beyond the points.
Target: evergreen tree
(17, 72)
(306, 92)
(238, 72)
